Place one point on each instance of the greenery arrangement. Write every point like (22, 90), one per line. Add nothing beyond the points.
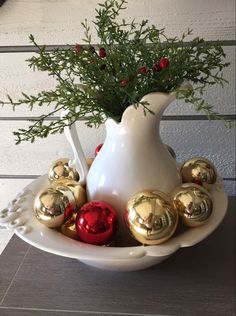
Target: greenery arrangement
(131, 60)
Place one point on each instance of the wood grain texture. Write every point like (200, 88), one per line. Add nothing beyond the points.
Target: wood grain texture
(195, 279)
(10, 261)
(58, 21)
(189, 139)
(194, 271)
(5, 311)
(9, 188)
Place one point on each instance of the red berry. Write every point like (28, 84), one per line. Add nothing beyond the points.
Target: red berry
(102, 52)
(142, 70)
(164, 63)
(156, 68)
(124, 82)
(78, 48)
(97, 149)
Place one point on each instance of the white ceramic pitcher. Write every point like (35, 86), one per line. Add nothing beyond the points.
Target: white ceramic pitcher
(133, 157)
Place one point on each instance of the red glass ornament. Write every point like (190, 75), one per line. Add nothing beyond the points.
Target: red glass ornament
(70, 209)
(142, 70)
(102, 52)
(164, 63)
(96, 223)
(97, 149)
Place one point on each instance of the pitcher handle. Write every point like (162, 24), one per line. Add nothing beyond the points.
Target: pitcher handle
(79, 161)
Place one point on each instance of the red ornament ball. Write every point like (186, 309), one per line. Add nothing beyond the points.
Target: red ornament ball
(96, 223)
(70, 209)
(102, 52)
(97, 149)
(164, 63)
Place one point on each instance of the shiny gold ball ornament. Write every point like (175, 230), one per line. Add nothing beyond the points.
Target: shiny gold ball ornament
(60, 169)
(77, 190)
(151, 217)
(69, 228)
(193, 203)
(51, 206)
(89, 161)
(200, 171)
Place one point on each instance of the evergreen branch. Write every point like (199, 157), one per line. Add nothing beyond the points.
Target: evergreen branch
(120, 73)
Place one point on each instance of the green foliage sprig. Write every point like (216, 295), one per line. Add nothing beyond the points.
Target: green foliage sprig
(133, 59)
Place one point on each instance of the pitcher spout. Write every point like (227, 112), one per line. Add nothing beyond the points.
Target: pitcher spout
(157, 102)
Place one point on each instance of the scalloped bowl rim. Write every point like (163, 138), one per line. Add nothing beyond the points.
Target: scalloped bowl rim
(19, 217)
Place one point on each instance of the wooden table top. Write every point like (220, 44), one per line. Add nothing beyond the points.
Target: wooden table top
(195, 280)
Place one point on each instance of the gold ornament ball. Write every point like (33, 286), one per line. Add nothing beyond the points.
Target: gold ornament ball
(200, 171)
(89, 161)
(151, 217)
(68, 228)
(60, 170)
(51, 205)
(193, 203)
(78, 191)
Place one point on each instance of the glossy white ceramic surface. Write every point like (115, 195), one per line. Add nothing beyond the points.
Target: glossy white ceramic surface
(79, 161)
(133, 157)
(18, 216)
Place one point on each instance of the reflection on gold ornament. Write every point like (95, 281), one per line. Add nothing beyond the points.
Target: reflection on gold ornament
(77, 190)
(69, 228)
(200, 171)
(89, 161)
(60, 170)
(193, 203)
(171, 151)
(151, 217)
(51, 205)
